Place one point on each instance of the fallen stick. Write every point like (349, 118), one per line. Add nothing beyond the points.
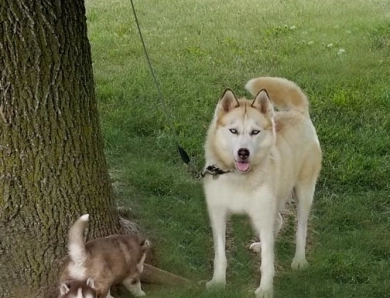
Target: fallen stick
(154, 275)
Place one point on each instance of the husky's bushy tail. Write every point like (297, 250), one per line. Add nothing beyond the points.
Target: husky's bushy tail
(76, 242)
(286, 95)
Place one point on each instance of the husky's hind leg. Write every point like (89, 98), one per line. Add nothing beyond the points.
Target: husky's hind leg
(218, 225)
(304, 194)
(256, 246)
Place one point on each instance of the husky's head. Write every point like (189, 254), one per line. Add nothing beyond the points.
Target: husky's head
(242, 132)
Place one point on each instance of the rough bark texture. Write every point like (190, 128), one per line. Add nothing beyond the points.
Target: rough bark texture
(52, 167)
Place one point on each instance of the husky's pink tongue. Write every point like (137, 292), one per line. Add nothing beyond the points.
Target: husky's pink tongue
(242, 166)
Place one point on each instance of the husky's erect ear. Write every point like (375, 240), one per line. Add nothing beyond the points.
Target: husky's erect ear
(90, 283)
(228, 101)
(64, 288)
(263, 103)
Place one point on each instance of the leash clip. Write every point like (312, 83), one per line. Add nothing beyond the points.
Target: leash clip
(213, 170)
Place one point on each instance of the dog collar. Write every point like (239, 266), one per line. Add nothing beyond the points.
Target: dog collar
(214, 171)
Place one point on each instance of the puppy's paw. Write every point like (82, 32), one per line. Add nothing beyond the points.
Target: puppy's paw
(299, 264)
(255, 247)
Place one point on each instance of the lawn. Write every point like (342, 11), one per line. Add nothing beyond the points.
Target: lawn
(337, 51)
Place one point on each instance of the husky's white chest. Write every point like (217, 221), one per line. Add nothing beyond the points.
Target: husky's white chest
(233, 192)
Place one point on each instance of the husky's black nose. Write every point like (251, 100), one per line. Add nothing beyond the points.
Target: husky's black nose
(243, 153)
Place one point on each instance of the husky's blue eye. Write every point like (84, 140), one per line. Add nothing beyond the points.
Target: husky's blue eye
(233, 131)
(255, 132)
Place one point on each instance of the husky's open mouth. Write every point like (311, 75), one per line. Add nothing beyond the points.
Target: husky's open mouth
(242, 166)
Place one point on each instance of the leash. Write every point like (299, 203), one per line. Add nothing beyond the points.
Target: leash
(212, 169)
(183, 154)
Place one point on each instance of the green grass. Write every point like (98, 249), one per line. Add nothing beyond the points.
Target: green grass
(337, 51)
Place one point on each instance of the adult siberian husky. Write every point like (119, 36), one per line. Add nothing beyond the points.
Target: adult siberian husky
(256, 159)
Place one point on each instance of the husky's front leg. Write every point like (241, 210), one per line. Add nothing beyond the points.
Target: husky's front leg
(218, 225)
(265, 290)
(264, 223)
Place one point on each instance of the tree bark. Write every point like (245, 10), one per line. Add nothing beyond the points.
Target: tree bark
(52, 166)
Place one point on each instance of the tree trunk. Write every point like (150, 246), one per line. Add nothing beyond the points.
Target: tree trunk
(52, 167)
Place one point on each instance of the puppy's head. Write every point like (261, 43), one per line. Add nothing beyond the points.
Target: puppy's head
(78, 289)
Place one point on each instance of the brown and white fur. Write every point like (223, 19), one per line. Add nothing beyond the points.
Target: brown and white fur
(108, 261)
(78, 289)
(269, 155)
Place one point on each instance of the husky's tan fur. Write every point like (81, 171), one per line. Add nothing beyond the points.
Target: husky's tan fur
(269, 155)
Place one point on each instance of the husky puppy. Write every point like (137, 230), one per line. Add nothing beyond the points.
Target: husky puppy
(108, 261)
(78, 289)
(256, 158)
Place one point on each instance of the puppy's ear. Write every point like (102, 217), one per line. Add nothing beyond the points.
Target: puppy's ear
(64, 288)
(145, 244)
(228, 101)
(90, 283)
(263, 103)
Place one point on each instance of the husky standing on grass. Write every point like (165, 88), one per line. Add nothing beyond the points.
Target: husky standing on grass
(104, 262)
(256, 158)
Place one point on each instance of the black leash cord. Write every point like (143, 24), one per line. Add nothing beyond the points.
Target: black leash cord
(183, 154)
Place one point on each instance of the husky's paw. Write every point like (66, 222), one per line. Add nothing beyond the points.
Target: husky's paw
(264, 292)
(256, 247)
(140, 294)
(215, 284)
(299, 264)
